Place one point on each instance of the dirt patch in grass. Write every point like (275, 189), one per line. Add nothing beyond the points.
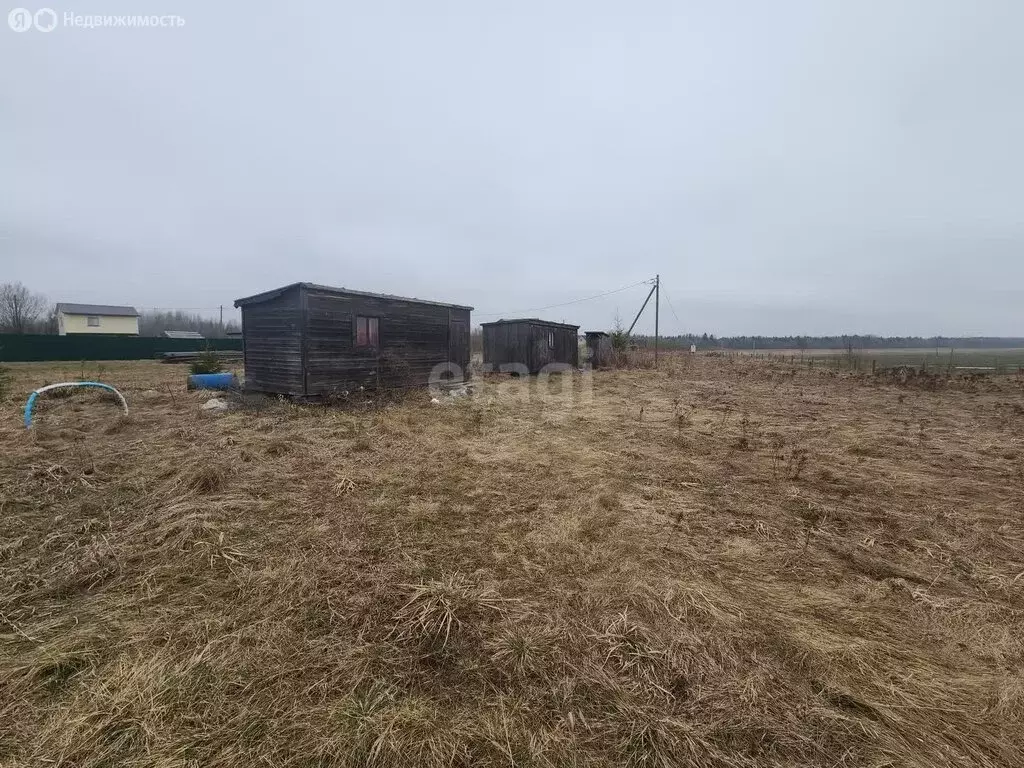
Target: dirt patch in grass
(725, 562)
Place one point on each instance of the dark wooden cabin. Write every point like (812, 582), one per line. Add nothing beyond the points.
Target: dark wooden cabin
(307, 340)
(599, 348)
(530, 343)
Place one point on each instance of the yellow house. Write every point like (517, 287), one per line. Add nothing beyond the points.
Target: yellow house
(97, 318)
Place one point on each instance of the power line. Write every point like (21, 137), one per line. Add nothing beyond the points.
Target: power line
(670, 305)
(566, 303)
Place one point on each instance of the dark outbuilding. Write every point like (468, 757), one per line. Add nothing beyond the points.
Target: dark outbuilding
(599, 348)
(307, 340)
(527, 345)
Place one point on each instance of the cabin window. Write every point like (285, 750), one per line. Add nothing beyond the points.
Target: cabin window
(551, 339)
(92, 321)
(367, 332)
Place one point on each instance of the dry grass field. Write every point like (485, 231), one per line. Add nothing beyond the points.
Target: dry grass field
(1003, 360)
(725, 562)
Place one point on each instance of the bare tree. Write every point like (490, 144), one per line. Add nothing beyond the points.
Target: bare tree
(20, 309)
(50, 324)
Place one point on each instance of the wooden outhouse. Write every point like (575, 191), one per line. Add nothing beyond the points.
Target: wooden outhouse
(599, 348)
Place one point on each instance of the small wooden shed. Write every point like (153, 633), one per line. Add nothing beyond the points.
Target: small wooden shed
(308, 340)
(530, 343)
(599, 348)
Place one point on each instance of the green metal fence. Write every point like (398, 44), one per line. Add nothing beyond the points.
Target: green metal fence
(16, 348)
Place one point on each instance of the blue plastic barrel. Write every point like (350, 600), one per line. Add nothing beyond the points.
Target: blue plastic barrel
(212, 381)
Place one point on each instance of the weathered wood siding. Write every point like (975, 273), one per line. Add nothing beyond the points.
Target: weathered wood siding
(272, 337)
(300, 340)
(526, 343)
(566, 349)
(599, 347)
(508, 343)
(414, 338)
(459, 339)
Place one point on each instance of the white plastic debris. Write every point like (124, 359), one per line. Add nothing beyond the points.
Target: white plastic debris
(215, 404)
(435, 401)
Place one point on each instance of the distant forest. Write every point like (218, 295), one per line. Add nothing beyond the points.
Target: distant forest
(710, 341)
(155, 323)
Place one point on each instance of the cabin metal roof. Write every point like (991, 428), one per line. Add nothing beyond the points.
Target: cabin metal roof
(269, 295)
(533, 321)
(97, 309)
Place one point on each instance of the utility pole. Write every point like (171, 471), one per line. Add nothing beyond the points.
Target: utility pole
(657, 311)
(656, 293)
(222, 318)
(637, 318)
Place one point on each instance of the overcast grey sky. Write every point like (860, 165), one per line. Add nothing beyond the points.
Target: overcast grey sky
(788, 167)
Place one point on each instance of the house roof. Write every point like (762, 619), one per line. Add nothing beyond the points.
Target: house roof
(533, 321)
(182, 335)
(268, 295)
(97, 309)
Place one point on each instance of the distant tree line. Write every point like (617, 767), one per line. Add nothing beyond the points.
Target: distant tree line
(710, 341)
(155, 323)
(24, 311)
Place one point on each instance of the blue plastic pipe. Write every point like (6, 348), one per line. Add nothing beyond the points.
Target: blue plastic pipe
(212, 381)
(32, 398)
